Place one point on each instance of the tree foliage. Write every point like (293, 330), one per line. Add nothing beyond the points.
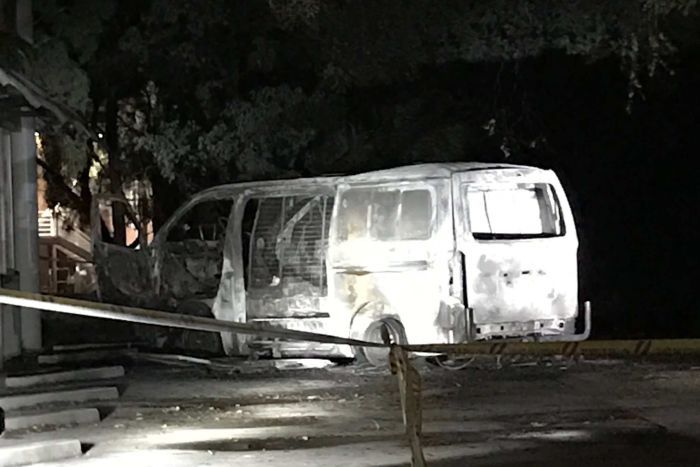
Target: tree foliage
(189, 93)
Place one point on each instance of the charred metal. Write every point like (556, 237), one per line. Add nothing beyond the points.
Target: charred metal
(433, 253)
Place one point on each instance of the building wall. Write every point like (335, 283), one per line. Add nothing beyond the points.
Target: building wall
(20, 329)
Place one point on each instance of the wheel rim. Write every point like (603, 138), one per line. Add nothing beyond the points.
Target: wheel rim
(379, 356)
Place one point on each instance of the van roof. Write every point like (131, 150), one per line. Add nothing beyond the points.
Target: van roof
(432, 170)
(406, 172)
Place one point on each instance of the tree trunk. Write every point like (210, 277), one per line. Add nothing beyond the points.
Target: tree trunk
(166, 199)
(58, 190)
(114, 167)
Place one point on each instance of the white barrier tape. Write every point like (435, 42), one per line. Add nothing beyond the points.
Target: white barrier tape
(162, 318)
(408, 378)
(593, 348)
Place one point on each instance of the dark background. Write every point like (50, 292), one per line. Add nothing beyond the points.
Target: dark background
(630, 180)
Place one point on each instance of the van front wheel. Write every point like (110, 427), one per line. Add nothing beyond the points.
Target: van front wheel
(377, 332)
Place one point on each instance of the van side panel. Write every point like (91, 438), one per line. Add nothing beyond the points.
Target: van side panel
(404, 280)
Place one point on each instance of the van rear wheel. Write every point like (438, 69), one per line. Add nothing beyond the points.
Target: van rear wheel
(376, 332)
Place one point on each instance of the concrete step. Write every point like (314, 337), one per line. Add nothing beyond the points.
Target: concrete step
(19, 401)
(95, 346)
(64, 376)
(85, 356)
(16, 453)
(56, 418)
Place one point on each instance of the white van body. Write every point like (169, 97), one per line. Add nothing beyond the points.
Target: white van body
(442, 253)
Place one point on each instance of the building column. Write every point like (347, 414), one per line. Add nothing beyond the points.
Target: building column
(10, 330)
(26, 229)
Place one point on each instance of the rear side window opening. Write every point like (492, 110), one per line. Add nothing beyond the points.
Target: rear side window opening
(385, 214)
(285, 242)
(513, 211)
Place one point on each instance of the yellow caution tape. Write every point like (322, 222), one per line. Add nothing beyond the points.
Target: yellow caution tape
(410, 392)
(593, 348)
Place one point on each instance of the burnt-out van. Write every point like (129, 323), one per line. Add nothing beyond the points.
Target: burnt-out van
(433, 253)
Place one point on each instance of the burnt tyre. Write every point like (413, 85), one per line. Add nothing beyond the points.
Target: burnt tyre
(381, 331)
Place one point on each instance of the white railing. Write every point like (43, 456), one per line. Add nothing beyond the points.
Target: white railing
(64, 255)
(47, 223)
(52, 224)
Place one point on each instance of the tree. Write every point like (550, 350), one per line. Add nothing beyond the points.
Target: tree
(191, 93)
(64, 43)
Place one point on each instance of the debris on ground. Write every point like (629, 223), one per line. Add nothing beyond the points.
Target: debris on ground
(185, 414)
